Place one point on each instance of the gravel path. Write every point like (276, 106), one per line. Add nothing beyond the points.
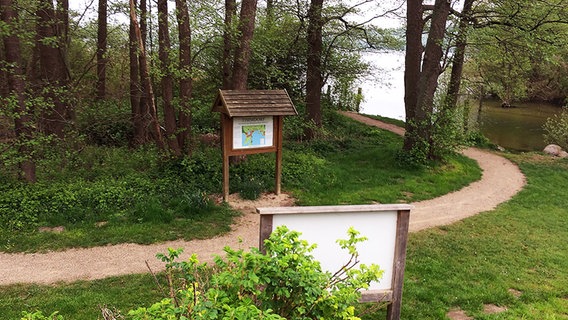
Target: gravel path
(500, 181)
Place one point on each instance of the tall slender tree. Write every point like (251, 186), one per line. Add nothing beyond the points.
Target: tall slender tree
(53, 76)
(421, 74)
(139, 134)
(164, 47)
(62, 14)
(243, 47)
(102, 31)
(314, 78)
(185, 78)
(458, 58)
(230, 12)
(139, 130)
(23, 119)
(150, 116)
(145, 99)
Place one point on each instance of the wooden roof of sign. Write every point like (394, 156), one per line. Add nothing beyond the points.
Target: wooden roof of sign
(248, 103)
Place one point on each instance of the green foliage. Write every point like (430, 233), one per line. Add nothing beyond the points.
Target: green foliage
(118, 188)
(436, 137)
(203, 120)
(477, 139)
(284, 283)
(556, 129)
(105, 123)
(103, 195)
(448, 132)
(56, 204)
(520, 53)
(295, 127)
(202, 171)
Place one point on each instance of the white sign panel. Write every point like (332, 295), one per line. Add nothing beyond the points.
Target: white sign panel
(324, 225)
(378, 227)
(253, 132)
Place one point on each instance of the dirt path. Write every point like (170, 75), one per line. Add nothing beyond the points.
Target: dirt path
(500, 181)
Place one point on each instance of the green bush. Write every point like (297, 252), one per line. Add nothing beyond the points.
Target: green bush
(203, 120)
(477, 139)
(285, 283)
(105, 123)
(202, 171)
(556, 129)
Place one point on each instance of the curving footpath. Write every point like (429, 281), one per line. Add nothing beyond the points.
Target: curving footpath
(500, 181)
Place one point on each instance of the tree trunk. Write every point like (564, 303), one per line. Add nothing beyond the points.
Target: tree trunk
(101, 50)
(230, 11)
(314, 73)
(412, 62)
(53, 71)
(185, 80)
(23, 120)
(459, 56)
(146, 83)
(421, 75)
(145, 100)
(62, 27)
(4, 90)
(139, 129)
(164, 45)
(243, 49)
(431, 70)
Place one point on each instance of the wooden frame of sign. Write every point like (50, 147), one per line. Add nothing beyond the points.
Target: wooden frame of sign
(385, 226)
(251, 122)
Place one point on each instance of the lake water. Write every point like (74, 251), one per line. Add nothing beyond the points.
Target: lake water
(517, 128)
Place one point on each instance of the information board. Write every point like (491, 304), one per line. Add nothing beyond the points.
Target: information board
(253, 132)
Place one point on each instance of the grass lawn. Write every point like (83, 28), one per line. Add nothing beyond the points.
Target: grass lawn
(107, 196)
(514, 256)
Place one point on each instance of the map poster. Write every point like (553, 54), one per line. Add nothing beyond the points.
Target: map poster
(252, 132)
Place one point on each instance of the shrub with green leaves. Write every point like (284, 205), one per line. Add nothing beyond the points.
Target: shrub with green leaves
(556, 129)
(105, 123)
(284, 283)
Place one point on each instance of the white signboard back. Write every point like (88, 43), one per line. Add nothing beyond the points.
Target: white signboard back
(378, 227)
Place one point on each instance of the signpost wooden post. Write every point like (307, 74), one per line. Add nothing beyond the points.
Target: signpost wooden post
(386, 229)
(251, 122)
